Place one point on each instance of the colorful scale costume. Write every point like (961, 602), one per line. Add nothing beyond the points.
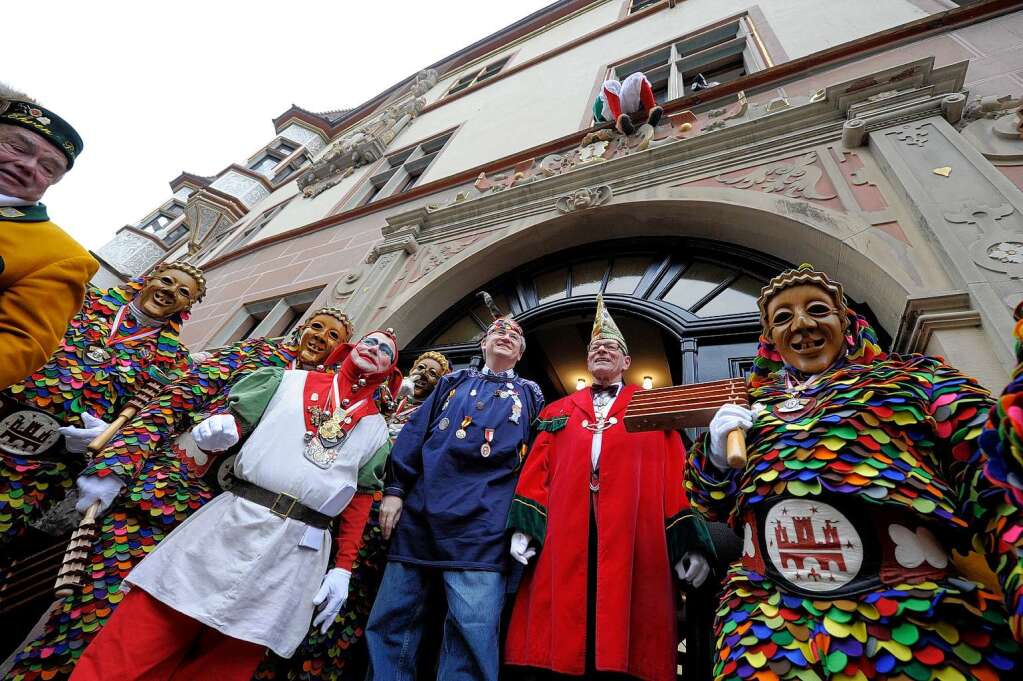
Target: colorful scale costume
(841, 505)
(166, 484)
(1002, 442)
(70, 384)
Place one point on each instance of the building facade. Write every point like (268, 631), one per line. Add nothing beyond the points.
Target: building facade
(878, 140)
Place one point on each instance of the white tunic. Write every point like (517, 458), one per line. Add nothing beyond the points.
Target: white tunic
(240, 569)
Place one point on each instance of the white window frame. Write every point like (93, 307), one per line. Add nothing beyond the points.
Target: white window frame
(480, 75)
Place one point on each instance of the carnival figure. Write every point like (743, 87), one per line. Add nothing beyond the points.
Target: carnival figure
(607, 512)
(627, 104)
(1002, 443)
(249, 570)
(340, 653)
(166, 477)
(450, 482)
(45, 272)
(48, 418)
(863, 473)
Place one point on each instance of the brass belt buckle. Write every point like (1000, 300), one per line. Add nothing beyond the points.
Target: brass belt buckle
(283, 514)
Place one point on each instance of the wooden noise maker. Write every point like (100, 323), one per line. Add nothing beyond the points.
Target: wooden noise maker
(73, 566)
(690, 406)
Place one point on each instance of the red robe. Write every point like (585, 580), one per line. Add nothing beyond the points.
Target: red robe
(644, 525)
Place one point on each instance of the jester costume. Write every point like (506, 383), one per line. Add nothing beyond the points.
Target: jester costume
(101, 360)
(246, 567)
(1002, 442)
(859, 482)
(168, 478)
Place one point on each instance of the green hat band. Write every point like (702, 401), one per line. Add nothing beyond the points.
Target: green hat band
(42, 121)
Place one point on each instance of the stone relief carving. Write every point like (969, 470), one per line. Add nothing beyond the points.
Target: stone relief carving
(996, 245)
(347, 284)
(912, 135)
(582, 199)
(241, 187)
(994, 125)
(367, 143)
(795, 179)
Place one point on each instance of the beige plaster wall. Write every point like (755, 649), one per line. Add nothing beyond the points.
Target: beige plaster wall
(970, 351)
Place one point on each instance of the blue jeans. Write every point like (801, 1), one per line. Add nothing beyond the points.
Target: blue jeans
(470, 649)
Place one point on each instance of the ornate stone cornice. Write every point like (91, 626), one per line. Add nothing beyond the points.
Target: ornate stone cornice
(923, 316)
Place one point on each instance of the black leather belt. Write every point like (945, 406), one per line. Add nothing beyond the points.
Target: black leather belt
(280, 504)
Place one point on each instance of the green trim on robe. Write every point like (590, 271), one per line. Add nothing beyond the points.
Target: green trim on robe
(371, 474)
(687, 531)
(529, 517)
(251, 394)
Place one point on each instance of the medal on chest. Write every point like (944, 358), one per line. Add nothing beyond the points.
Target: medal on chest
(601, 406)
(795, 405)
(326, 427)
(99, 354)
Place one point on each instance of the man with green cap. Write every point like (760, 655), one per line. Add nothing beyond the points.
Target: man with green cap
(604, 512)
(43, 271)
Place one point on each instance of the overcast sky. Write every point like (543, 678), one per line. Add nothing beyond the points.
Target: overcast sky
(157, 88)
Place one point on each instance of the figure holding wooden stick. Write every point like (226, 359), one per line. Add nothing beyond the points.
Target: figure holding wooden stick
(864, 472)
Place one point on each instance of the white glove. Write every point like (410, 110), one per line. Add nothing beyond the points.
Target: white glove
(728, 418)
(217, 433)
(332, 595)
(93, 488)
(77, 439)
(697, 570)
(520, 549)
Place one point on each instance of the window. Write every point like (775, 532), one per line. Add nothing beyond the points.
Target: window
(470, 79)
(638, 5)
(717, 55)
(166, 216)
(256, 226)
(402, 170)
(281, 159)
(275, 317)
(175, 234)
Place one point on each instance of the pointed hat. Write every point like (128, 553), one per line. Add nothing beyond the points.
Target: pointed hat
(605, 328)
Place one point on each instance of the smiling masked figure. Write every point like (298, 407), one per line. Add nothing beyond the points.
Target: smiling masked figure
(863, 474)
(152, 476)
(48, 418)
(252, 568)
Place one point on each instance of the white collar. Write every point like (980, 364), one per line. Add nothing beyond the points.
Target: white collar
(6, 200)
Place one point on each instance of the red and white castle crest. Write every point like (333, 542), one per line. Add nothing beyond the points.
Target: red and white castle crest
(812, 544)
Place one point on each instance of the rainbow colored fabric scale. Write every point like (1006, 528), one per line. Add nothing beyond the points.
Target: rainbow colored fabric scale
(165, 486)
(1002, 442)
(882, 438)
(69, 385)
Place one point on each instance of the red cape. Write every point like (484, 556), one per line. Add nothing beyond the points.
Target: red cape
(644, 525)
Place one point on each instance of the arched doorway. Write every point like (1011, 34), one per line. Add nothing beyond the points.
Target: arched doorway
(686, 306)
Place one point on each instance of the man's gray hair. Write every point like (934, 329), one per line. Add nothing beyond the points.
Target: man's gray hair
(8, 92)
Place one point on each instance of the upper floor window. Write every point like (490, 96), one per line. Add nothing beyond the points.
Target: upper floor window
(167, 216)
(473, 77)
(638, 5)
(280, 160)
(256, 226)
(696, 62)
(402, 170)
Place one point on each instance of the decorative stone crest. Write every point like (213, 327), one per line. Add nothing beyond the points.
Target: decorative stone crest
(912, 135)
(367, 143)
(581, 199)
(996, 246)
(994, 125)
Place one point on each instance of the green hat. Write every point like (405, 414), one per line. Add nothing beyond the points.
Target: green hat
(42, 121)
(605, 328)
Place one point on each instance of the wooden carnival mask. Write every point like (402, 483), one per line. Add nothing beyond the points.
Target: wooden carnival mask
(321, 334)
(425, 373)
(168, 292)
(806, 327)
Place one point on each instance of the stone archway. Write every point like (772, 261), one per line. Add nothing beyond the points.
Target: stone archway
(785, 229)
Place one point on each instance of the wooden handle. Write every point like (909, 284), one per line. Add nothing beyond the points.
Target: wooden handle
(71, 568)
(735, 449)
(101, 440)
